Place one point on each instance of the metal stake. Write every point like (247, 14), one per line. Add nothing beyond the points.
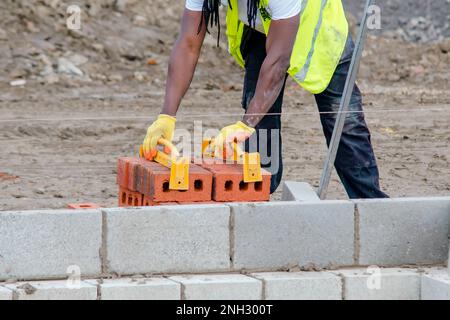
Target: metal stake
(343, 108)
(448, 262)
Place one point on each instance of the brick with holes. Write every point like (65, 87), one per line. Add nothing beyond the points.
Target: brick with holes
(229, 185)
(128, 173)
(146, 202)
(129, 198)
(83, 206)
(154, 184)
(122, 172)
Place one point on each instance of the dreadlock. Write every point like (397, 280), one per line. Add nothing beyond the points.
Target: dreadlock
(252, 11)
(210, 13)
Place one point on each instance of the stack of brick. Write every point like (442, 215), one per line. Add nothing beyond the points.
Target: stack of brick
(146, 183)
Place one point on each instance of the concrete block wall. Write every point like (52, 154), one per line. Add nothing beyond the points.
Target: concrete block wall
(301, 285)
(270, 236)
(5, 294)
(52, 290)
(250, 237)
(435, 285)
(344, 284)
(219, 287)
(403, 231)
(380, 284)
(141, 288)
(298, 191)
(169, 239)
(44, 244)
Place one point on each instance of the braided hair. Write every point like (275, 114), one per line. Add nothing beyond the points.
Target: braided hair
(210, 13)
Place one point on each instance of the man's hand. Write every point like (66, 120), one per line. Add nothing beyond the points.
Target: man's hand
(238, 132)
(163, 127)
(279, 45)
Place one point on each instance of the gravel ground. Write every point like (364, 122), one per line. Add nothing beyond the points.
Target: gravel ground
(419, 21)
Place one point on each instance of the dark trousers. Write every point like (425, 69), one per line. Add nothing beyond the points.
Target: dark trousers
(355, 162)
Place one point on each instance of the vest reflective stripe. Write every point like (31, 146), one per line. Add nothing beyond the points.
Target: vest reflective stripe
(235, 29)
(301, 76)
(319, 45)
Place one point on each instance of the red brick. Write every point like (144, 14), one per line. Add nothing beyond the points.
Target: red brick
(148, 203)
(129, 198)
(83, 206)
(154, 184)
(146, 169)
(229, 185)
(127, 173)
(133, 175)
(204, 202)
(122, 172)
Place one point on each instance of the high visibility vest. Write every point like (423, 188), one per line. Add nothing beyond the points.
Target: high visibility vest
(318, 47)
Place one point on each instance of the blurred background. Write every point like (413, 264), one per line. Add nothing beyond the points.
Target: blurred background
(73, 101)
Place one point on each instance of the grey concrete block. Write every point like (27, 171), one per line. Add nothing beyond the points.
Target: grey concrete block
(169, 239)
(43, 244)
(301, 285)
(5, 294)
(384, 284)
(298, 191)
(270, 236)
(436, 286)
(157, 288)
(53, 290)
(403, 231)
(219, 287)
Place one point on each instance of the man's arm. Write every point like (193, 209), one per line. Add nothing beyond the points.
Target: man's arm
(183, 60)
(279, 45)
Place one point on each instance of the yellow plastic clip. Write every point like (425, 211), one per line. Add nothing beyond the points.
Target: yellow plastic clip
(179, 167)
(252, 167)
(179, 174)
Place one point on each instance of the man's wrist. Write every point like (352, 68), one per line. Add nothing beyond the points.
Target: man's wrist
(249, 121)
(168, 113)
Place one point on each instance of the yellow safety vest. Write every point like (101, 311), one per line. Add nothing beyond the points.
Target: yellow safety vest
(319, 45)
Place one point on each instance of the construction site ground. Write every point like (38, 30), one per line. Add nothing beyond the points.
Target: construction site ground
(61, 134)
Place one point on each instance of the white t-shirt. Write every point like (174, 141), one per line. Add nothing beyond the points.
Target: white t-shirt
(278, 9)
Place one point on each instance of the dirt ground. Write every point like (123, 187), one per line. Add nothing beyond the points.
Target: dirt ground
(61, 133)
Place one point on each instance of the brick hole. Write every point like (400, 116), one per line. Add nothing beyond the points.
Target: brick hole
(198, 185)
(229, 185)
(124, 197)
(258, 186)
(130, 200)
(243, 186)
(166, 186)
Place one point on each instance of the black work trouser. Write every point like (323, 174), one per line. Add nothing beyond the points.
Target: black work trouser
(355, 162)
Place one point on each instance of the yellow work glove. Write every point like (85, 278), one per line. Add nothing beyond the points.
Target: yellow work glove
(238, 132)
(163, 127)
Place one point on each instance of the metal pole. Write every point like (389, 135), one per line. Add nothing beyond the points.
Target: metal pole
(343, 108)
(448, 262)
